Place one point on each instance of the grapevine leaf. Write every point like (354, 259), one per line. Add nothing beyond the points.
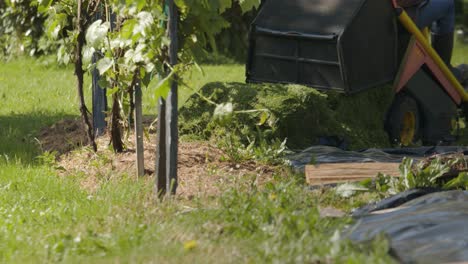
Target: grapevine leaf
(140, 4)
(103, 83)
(247, 5)
(181, 4)
(43, 6)
(224, 5)
(104, 65)
(88, 54)
(111, 91)
(163, 86)
(96, 33)
(223, 113)
(145, 20)
(128, 28)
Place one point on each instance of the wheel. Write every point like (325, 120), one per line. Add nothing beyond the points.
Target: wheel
(403, 123)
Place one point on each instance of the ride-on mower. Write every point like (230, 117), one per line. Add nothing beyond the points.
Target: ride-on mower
(354, 45)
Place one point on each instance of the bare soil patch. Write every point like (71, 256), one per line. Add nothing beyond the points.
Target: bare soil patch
(202, 170)
(63, 136)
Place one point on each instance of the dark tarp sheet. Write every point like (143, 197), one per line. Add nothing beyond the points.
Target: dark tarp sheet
(423, 226)
(326, 154)
(432, 228)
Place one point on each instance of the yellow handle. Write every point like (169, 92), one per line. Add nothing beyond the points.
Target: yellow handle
(413, 29)
(427, 33)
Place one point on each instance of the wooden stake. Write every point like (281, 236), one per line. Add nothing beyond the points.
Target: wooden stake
(139, 130)
(99, 99)
(161, 149)
(99, 96)
(168, 117)
(172, 132)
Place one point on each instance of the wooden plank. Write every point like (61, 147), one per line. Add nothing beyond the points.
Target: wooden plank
(331, 182)
(331, 173)
(360, 166)
(351, 173)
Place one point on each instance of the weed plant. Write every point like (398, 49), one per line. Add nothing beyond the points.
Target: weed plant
(439, 172)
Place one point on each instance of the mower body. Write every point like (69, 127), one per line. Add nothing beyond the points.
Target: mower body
(326, 44)
(354, 45)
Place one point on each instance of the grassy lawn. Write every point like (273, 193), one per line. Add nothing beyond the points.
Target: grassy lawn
(460, 54)
(45, 217)
(48, 218)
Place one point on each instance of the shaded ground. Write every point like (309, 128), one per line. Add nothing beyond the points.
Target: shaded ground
(202, 168)
(63, 136)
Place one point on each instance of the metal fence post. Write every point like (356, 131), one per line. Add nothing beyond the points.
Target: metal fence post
(168, 116)
(99, 97)
(138, 122)
(161, 149)
(99, 103)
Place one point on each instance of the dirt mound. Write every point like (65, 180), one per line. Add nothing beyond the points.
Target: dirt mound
(63, 136)
(202, 169)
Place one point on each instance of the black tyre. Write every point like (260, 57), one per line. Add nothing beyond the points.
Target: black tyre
(403, 123)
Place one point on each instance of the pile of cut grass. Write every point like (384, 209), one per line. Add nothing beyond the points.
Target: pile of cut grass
(301, 114)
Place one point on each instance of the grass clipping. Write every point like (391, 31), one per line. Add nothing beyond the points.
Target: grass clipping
(302, 115)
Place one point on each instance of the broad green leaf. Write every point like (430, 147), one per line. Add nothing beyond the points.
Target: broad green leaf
(263, 118)
(224, 5)
(247, 5)
(88, 53)
(163, 86)
(104, 64)
(111, 91)
(149, 67)
(145, 20)
(140, 4)
(223, 113)
(128, 28)
(103, 83)
(120, 43)
(96, 33)
(348, 190)
(460, 182)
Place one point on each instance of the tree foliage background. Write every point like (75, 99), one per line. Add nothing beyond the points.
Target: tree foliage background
(221, 26)
(21, 27)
